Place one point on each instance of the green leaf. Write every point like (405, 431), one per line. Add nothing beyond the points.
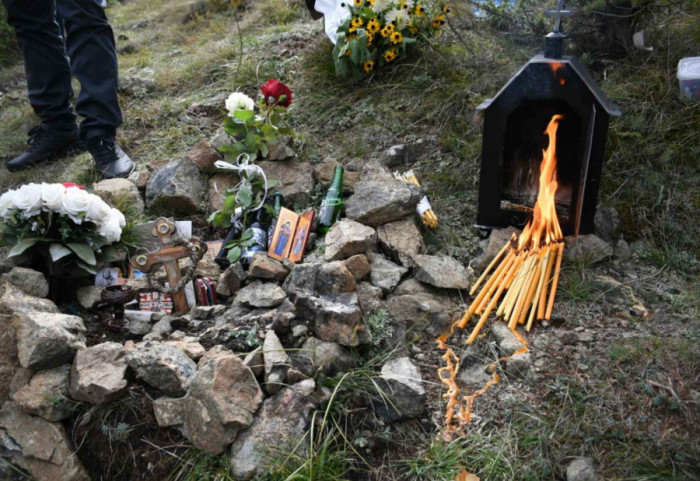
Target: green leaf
(85, 253)
(272, 183)
(267, 129)
(234, 255)
(87, 268)
(59, 251)
(245, 197)
(112, 254)
(286, 131)
(247, 235)
(244, 115)
(248, 243)
(22, 246)
(264, 150)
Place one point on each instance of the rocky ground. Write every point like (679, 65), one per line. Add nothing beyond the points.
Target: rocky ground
(327, 369)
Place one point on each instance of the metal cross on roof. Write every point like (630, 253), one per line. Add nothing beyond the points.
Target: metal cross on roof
(558, 14)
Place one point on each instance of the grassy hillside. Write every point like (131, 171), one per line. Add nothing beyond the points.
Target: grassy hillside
(603, 400)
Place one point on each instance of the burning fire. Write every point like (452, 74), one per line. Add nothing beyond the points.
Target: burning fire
(557, 70)
(523, 282)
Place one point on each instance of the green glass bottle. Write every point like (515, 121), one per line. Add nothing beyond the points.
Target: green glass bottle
(332, 205)
(277, 203)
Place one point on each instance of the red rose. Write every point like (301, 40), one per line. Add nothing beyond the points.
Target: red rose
(68, 185)
(273, 90)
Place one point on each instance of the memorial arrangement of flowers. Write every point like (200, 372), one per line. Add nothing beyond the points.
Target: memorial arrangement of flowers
(379, 31)
(255, 127)
(71, 230)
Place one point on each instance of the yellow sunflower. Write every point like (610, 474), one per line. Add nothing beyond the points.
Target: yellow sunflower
(370, 39)
(446, 9)
(387, 30)
(390, 55)
(368, 66)
(438, 21)
(420, 10)
(396, 38)
(358, 3)
(356, 22)
(373, 26)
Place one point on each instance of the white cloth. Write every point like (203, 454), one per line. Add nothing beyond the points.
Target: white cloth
(335, 12)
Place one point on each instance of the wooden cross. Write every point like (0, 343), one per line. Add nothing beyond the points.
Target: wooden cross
(558, 14)
(168, 256)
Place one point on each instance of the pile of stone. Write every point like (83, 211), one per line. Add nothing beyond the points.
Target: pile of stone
(238, 377)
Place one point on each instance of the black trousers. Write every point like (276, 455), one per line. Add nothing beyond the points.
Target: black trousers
(87, 51)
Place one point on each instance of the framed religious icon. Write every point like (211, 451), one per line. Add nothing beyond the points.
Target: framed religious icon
(281, 242)
(301, 236)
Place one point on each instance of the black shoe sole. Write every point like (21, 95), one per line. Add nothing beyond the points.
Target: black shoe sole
(106, 176)
(54, 156)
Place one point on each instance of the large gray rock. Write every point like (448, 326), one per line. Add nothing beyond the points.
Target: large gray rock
(277, 363)
(376, 202)
(442, 271)
(203, 155)
(264, 267)
(401, 240)
(230, 280)
(508, 342)
(419, 311)
(296, 181)
(46, 393)
(385, 274)
(320, 278)
(581, 469)
(89, 296)
(335, 318)
(121, 193)
(31, 282)
(258, 294)
(46, 339)
(588, 248)
(178, 187)
(370, 297)
(607, 224)
(39, 446)
(347, 238)
(278, 430)
(497, 240)
(98, 374)
(401, 383)
(327, 357)
(14, 304)
(359, 267)
(222, 400)
(162, 366)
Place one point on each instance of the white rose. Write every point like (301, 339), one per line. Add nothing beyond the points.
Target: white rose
(28, 199)
(98, 212)
(7, 203)
(52, 196)
(76, 202)
(120, 217)
(239, 101)
(111, 230)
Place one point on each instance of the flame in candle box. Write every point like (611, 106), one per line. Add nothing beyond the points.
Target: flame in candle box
(524, 280)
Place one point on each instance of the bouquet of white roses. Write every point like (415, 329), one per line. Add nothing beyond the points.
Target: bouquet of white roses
(61, 222)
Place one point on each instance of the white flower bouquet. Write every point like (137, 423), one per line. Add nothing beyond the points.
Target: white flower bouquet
(63, 223)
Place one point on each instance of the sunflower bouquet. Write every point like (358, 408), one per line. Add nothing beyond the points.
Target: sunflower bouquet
(378, 32)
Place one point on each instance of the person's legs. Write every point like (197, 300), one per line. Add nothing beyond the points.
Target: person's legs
(48, 80)
(93, 60)
(45, 61)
